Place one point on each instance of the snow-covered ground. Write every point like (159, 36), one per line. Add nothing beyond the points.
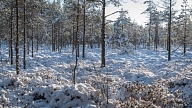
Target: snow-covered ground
(142, 79)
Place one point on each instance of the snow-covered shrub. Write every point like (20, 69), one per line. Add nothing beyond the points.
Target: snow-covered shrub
(128, 49)
(125, 94)
(73, 96)
(39, 89)
(181, 86)
(142, 96)
(121, 42)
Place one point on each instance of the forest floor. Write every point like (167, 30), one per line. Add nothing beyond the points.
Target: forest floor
(140, 79)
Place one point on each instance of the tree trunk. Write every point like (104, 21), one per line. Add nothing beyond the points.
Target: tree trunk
(73, 47)
(149, 29)
(24, 37)
(169, 34)
(168, 39)
(11, 37)
(76, 45)
(184, 41)
(53, 38)
(28, 42)
(83, 31)
(184, 38)
(32, 42)
(61, 38)
(156, 37)
(103, 36)
(149, 32)
(37, 39)
(17, 39)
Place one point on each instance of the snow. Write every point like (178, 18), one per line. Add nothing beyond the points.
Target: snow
(143, 78)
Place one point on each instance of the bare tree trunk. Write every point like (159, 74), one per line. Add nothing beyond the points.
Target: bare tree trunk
(24, 37)
(184, 42)
(37, 39)
(84, 31)
(73, 47)
(58, 34)
(156, 36)
(149, 43)
(61, 38)
(135, 40)
(149, 32)
(76, 45)
(103, 36)
(168, 39)
(11, 37)
(28, 42)
(17, 39)
(32, 41)
(53, 38)
(184, 38)
(169, 34)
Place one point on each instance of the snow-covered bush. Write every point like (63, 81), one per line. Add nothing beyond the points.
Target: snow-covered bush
(39, 89)
(139, 95)
(128, 49)
(181, 85)
(125, 94)
(121, 42)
